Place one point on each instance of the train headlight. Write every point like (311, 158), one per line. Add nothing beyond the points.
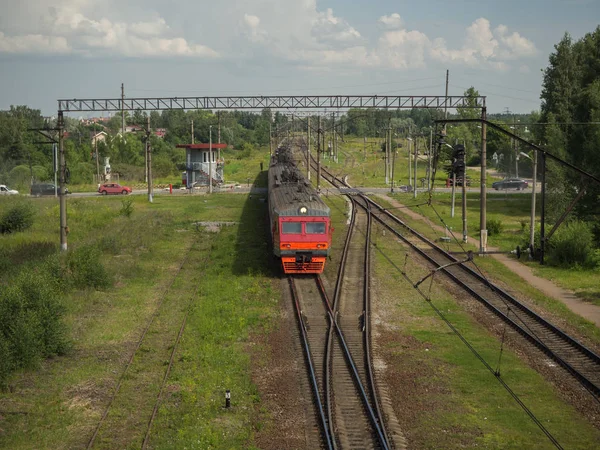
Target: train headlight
(303, 210)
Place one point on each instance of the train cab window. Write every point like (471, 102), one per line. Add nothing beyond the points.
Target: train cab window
(315, 227)
(291, 227)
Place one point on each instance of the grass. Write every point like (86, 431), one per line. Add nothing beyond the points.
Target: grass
(452, 394)
(58, 406)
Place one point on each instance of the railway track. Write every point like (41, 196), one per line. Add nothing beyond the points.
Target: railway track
(578, 360)
(336, 342)
(158, 342)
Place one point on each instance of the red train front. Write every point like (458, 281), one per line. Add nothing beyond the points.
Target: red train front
(300, 220)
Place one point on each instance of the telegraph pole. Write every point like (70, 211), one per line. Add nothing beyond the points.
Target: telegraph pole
(149, 157)
(210, 159)
(482, 206)
(532, 226)
(219, 124)
(319, 131)
(123, 110)
(308, 148)
(416, 154)
(64, 230)
(464, 195)
(270, 141)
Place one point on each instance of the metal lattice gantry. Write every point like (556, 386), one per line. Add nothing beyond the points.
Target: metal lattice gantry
(273, 102)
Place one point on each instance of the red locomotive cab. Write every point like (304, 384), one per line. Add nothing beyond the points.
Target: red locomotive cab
(304, 243)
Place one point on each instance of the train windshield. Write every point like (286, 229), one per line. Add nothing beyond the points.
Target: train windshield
(291, 227)
(315, 227)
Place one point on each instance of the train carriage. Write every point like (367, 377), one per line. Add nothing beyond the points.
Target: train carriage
(300, 220)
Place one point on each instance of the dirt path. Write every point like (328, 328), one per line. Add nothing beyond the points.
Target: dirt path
(586, 310)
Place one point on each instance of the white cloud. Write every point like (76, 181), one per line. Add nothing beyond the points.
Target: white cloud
(33, 44)
(328, 28)
(67, 28)
(391, 22)
(252, 28)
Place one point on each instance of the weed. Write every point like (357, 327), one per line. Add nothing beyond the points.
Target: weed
(126, 207)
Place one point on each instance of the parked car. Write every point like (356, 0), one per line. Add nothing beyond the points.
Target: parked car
(44, 189)
(510, 183)
(4, 190)
(113, 188)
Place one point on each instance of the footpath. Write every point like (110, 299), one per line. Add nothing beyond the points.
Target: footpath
(586, 310)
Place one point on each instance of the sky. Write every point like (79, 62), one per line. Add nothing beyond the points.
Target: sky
(66, 49)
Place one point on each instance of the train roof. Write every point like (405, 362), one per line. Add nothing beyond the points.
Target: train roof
(290, 194)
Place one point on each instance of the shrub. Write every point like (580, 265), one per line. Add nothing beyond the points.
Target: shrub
(571, 244)
(126, 208)
(17, 218)
(31, 326)
(86, 270)
(494, 227)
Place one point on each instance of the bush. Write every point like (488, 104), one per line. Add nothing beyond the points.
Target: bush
(572, 244)
(86, 270)
(494, 227)
(17, 218)
(31, 326)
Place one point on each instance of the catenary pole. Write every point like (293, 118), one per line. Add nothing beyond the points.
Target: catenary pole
(149, 155)
(464, 196)
(416, 158)
(210, 159)
(483, 204)
(532, 225)
(64, 230)
(308, 148)
(123, 110)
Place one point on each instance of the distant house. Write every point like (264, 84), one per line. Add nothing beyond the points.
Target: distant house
(160, 132)
(98, 137)
(133, 128)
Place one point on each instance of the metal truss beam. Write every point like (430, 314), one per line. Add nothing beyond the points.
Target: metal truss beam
(273, 102)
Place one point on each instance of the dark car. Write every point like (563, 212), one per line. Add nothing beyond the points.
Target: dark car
(510, 183)
(113, 188)
(39, 189)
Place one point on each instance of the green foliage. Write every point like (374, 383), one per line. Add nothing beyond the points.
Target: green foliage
(19, 217)
(572, 245)
(86, 269)
(494, 227)
(31, 326)
(126, 207)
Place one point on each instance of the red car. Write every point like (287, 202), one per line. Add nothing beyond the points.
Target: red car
(113, 188)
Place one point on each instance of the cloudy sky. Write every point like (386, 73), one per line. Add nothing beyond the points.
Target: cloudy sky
(51, 49)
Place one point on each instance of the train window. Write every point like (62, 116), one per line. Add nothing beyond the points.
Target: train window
(315, 227)
(291, 227)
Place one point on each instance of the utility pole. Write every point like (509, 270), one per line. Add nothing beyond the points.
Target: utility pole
(365, 148)
(123, 110)
(393, 165)
(219, 123)
(532, 226)
(409, 139)
(387, 151)
(319, 131)
(429, 168)
(192, 131)
(210, 159)
(270, 141)
(333, 136)
(96, 151)
(464, 195)
(308, 148)
(416, 158)
(64, 230)
(483, 205)
(149, 157)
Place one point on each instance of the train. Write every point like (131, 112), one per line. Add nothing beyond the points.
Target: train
(300, 221)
